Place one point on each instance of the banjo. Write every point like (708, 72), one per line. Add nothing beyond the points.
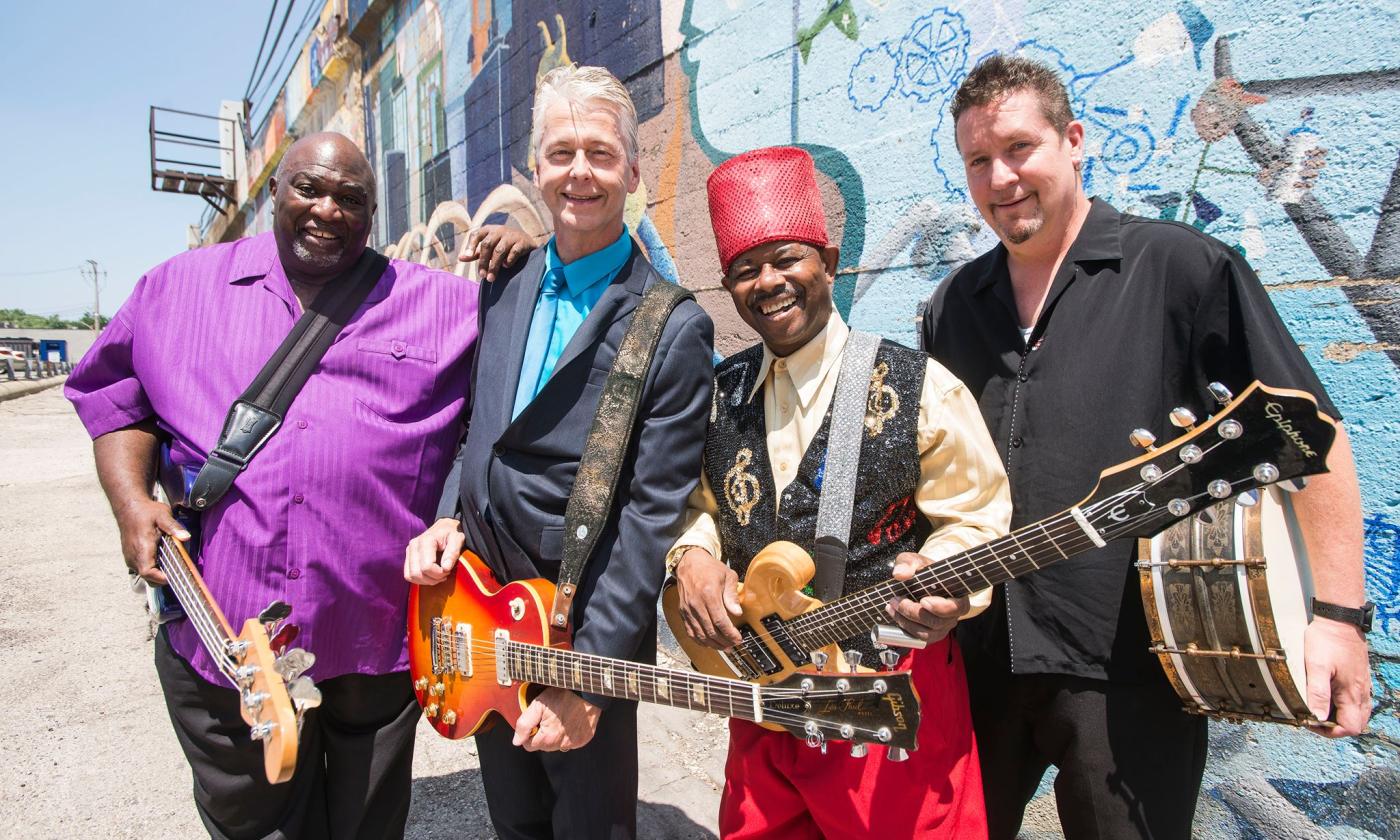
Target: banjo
(1226, 595)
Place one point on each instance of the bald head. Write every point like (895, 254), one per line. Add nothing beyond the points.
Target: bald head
(326, 145)
(323, 205)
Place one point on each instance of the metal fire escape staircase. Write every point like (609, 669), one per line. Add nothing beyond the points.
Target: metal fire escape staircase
(184, 161)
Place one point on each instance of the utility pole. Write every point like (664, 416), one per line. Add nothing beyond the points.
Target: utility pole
(96, 278)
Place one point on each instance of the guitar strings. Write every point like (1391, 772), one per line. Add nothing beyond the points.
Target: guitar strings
(188, 593)
(837, 621)
(522, 658)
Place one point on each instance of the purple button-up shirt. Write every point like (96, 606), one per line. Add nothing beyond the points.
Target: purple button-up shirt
(320, 517)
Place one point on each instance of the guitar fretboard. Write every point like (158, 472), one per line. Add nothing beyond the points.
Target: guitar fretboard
(631, 680)
(1024, 550)
(200, 611)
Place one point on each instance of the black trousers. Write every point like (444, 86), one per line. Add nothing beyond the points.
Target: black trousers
(1130, 760)
(585, 794)
(354, 770)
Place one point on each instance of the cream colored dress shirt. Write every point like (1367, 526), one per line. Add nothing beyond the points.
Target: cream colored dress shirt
(962, 486)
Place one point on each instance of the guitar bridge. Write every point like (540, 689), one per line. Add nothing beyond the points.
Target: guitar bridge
(450, 647)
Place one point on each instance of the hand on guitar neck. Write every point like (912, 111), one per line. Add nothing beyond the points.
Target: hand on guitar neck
(930, 618)
(557, 720)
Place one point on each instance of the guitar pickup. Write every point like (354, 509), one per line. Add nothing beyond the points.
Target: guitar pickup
(462, 647)
(777, 631)
(754, 656)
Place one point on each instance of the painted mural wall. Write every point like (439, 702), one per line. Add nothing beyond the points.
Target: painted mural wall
(1272, 126)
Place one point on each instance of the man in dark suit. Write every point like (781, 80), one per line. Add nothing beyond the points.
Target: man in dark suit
(550, 330)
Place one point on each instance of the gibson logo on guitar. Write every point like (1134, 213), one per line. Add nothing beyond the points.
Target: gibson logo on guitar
(1274, 412)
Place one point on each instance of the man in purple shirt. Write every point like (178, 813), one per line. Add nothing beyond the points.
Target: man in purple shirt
(320, 517)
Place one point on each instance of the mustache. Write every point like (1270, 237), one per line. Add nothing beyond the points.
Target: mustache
(760, 298)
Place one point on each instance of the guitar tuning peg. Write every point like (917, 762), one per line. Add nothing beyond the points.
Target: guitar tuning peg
(1221, 394)
(1206, 516)
(819, 659)
(858, 750)
(889, 658)
(815, 738)
(304, 693)
(1182, 418)
(897, 754)
(294, 663)
(1248, 498)
(1293, 485)
(1142, 439)
(1266, 473)
(853, 658)
(275, 612)
(284, 637)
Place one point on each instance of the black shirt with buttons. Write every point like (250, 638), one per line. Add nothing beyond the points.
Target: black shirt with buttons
(1141, 316)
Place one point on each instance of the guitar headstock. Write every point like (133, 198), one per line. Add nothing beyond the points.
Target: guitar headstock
(1264, 436)
(860, 708)
(267, 687)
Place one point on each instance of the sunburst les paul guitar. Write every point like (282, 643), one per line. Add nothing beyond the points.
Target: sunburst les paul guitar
(479, 651)
(1263, 437)
(267, 674)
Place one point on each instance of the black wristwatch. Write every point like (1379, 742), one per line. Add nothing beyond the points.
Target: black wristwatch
(1361, 616)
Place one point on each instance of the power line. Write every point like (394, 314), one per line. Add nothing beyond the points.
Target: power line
(40, 271)
(266, 28)
(293, 47)
(270, 50)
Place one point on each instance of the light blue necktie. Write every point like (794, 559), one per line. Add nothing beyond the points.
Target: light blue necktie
(537, 345)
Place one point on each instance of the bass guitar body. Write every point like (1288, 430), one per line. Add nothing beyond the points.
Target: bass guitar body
(454, 668)
(770, 596)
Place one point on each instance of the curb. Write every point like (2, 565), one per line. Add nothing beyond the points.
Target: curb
(23, 388)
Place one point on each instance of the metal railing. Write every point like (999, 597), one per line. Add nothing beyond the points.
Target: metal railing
(212, 181)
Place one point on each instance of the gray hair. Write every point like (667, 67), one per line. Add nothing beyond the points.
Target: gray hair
(586, 86)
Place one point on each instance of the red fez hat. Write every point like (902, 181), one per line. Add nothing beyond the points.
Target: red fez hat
(762, 196)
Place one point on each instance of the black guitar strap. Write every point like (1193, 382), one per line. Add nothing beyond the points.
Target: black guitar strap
(257, 414)
(590, 502)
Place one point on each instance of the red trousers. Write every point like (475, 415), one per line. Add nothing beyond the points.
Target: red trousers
(778, 787)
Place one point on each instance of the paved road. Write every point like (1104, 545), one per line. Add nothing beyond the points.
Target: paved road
(88, 750)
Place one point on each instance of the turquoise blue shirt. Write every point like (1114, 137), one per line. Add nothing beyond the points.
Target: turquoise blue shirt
(585, 279)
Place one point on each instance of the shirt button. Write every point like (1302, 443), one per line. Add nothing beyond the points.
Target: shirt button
(301, 424)
(785, 407)
(1022, 377)
(1016, 442)
(298, 498)
(498, 450)
(780, 364)
(398, 348)
(783, 466)
(294, 574)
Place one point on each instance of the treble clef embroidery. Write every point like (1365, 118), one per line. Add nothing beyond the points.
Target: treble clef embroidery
(741, 490)
(882, 403)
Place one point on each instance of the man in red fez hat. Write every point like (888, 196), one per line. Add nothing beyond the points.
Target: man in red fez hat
(928, 484)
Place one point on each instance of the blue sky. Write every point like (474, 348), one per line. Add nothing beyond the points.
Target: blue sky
(78, 81)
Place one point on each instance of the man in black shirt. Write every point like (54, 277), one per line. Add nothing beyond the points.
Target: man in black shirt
(1081, 326)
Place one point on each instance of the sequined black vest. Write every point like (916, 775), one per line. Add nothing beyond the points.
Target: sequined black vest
(885, 521)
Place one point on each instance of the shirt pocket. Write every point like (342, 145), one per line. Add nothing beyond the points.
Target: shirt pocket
(396, 379)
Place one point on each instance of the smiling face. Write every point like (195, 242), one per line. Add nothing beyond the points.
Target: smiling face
(783, 291)
(323, 205)
(1023, 175)
(583, 175)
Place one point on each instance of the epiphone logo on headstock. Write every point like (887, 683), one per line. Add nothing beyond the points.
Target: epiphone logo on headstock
(1274, 412)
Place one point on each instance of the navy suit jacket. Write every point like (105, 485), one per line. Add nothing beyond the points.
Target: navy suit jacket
(515, 477)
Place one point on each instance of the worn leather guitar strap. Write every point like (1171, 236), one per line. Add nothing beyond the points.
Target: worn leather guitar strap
(838, 490)
(257, 414)
(595, 486)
